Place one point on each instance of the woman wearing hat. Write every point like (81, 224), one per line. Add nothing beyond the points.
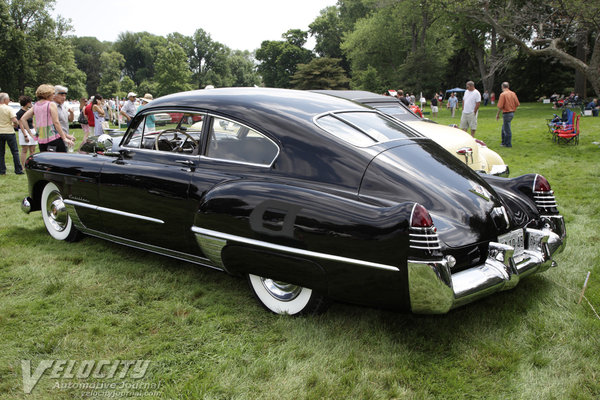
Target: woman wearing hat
(150, 119)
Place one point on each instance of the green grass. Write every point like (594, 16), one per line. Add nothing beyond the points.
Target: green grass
(206, 336)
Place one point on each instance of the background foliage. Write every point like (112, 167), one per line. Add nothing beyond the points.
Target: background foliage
(539, 46)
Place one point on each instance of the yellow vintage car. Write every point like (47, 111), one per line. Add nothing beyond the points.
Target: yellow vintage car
(471, 151)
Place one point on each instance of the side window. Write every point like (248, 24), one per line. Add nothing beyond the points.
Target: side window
(170, 131)
(231, 141)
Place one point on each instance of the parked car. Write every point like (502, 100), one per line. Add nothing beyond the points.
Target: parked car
(75, 107)
(309, 196)
(162, 119)
(463, 146)
(14, 105)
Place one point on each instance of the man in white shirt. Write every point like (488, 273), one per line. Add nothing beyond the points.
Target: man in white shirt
(129, 109)
(471, 103)
(65, 114)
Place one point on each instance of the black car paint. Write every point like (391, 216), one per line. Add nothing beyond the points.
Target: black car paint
(344, 200)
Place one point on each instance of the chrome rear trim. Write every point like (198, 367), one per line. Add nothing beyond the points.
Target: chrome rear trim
(287, 249)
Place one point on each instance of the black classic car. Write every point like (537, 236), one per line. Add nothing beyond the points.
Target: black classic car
(310, 196)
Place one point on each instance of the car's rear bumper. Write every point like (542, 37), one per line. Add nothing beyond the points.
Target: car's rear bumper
(434, 289)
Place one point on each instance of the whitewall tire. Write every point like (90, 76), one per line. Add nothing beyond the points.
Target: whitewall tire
(58, 223)
(284, 298)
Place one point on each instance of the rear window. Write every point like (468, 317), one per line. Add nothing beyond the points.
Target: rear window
(363, 129)
(398, 112)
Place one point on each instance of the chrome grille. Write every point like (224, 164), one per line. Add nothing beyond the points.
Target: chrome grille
(545, 199)
(424, 238)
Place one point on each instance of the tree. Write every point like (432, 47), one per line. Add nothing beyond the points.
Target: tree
(140, 50)
(172, 72)
(111, 65)
(546, 28)
(87, 52)
(242, 68)
(34, 49)
(408, 46)
(279, 59)
(320, 73)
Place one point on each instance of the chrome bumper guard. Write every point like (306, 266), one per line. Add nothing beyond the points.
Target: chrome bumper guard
(434, 289)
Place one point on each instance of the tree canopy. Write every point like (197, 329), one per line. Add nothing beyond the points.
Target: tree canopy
(541, 46)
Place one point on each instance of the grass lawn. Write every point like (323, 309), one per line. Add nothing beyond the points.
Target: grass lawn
(206, 337)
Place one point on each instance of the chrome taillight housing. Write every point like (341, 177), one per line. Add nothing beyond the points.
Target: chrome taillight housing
(543, 195)
(467, 153)
(422, 233)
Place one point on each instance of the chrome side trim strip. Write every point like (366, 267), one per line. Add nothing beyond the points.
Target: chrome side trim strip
(293, 250)
(113, 211)
(153, 249)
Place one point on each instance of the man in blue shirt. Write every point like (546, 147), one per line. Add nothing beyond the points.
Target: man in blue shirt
(594, 107)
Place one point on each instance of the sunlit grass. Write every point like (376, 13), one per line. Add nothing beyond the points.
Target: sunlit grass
(207, 337)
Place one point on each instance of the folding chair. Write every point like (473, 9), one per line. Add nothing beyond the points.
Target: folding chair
(558, 122)
(564, 124)
(569, 136)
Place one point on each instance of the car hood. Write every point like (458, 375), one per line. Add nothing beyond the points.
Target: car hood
(452, 139)
(460, 202)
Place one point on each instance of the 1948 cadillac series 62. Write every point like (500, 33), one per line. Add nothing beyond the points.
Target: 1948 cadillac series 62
(311, 197)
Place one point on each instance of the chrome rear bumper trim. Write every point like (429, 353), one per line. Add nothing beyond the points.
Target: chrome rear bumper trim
(435, 290)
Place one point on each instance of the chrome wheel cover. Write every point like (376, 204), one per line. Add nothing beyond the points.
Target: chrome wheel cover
(56, 212)
(281, 291)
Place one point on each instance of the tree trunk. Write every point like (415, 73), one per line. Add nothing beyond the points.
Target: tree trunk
(580, 80)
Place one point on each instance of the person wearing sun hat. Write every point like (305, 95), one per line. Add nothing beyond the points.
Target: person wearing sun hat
(128, 110)
(150, 119)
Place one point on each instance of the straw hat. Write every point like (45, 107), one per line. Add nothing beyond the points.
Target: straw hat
(147, 98)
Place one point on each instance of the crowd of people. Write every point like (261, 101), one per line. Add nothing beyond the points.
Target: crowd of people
(43, 125)
(471, 100)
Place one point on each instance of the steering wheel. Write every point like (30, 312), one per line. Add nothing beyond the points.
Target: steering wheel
(176, 148)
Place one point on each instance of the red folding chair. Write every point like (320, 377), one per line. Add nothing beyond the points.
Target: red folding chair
(569, 135)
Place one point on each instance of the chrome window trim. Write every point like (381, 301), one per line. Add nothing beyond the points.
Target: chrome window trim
(153, 151)
(113, 211)
(374, 111)
(203, 157)
(293, 250)
(142, 113)
(212, 116)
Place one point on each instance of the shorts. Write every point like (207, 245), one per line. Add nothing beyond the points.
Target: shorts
(57, 145)
(434, 109)
(22, 141)
(468, 120)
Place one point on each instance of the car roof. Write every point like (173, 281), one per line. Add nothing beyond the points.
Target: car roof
(361, 96)
(239, 101)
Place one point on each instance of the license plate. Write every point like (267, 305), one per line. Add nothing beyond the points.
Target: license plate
(514, 239)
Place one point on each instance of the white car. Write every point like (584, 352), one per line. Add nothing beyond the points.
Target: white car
(462, 145)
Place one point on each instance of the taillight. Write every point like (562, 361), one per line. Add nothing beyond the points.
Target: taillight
(543, 194)
(420, 217)
(541, 184)
(481, 143)
(423, 234)
(467, 153)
